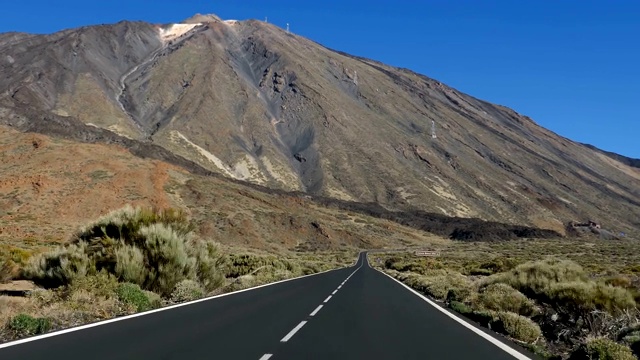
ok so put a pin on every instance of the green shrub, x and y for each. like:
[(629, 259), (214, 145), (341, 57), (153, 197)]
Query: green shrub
[(459, 307), (563, 284), (245, 264), (502, 297), (25, 325), (518, 327), (420, 266), (210, 265), (187, 290), (126, 223), (493, 266), (167, 252), (440, 287), (602, 349), (533, 278), (588, 296), (60, 266), (130, 266), (155, 301), (131, 294), (101, 284)]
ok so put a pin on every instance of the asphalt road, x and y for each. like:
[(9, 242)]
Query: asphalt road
[(352, 313)]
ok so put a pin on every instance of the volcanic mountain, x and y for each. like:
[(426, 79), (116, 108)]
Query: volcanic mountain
[(252, 102)]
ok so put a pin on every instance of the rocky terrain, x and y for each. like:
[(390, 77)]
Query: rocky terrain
[(251, 102)]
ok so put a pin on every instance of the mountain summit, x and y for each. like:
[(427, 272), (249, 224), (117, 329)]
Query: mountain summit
[(255, 103)]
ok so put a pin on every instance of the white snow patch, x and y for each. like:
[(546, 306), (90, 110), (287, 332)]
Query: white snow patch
[(10, 59), (176, 30), (231, 22)]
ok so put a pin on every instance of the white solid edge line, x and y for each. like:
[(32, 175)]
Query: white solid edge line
[(266, 357), (327, 299), (127, 317), (316, 310), (509, 350), (293, 332)]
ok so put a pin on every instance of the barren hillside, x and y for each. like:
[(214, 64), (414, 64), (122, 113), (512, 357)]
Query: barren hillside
[(251, 102)]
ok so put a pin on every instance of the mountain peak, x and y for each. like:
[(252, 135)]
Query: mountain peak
[(202, 18)]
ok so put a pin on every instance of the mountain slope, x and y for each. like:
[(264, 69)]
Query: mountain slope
[(254, 103)]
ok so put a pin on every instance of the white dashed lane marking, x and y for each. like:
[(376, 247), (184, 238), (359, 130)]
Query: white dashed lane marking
[(293, 332), (313, 313), (316, 310)]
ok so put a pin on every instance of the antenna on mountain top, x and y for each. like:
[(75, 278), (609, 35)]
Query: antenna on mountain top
[(287, 28), (433, 129), (266, 19)]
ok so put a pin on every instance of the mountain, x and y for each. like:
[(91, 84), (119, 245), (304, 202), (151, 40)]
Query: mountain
[(621, 158), (251, 102)]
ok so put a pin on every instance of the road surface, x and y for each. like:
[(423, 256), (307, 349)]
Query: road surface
[(351, 313)]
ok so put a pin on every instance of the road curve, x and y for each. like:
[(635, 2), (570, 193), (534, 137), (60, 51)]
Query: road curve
[(351, 313)]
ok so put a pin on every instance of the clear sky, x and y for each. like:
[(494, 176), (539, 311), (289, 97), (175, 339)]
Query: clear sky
[(572, 66)]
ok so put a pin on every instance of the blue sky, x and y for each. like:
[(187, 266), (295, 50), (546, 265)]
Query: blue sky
[(572, 66)]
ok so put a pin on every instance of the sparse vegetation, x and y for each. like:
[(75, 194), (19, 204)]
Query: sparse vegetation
[(558, 307), (131, 294), (25, 325), (602, 349), (187, 290), (137, 259)]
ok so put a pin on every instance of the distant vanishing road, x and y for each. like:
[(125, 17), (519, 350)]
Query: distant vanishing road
[(351, 313)]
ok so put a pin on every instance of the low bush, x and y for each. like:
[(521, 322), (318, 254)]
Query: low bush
[(155, 301), (60, 266), (210, 265), (460, 307), (130, 265), (533, 278), (131, 294), (602, 349), (588, 296), (565, 286), (493, 266), (154, 249), (25, 325), (518, 327), (502, 297), (187, 290)]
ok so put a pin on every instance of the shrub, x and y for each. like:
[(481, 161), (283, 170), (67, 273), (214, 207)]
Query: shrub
[(130, 265), (151, 248), (493, 266), (420, 266), (209, 265), (155, 301), (459, 307), (440, 287), (602, 349), (102, 284), (502, 297), (534, 278), (518, 327), (187, 290), (588, 296), (125, 224), (166, 251), (131, 294), (25, 325), (60, 266), (8, 269)]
